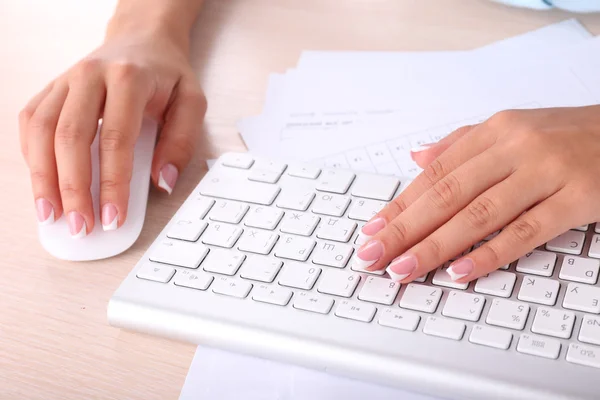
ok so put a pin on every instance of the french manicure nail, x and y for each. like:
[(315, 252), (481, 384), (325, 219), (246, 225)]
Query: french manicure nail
[(368, 254), (369, 230), (167, 177), (110, 218), (77, 225), (423, 147), (460, 269), (45, 211), (402, 267)]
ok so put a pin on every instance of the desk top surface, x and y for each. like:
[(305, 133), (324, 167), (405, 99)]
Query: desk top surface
[(54, 338)]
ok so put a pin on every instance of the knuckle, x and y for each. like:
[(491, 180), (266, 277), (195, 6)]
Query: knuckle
[(114, 140), (481, 212), (435, 171), (397, 206), (505, 118), (445, 193), (39, 124), (526, 229), (25, 115), (183, 146), (434, 247), (68, 135), (69, 190), (126, 72), (86, 67), (40, 177), (398, 231), (113, 182), (490, 254)]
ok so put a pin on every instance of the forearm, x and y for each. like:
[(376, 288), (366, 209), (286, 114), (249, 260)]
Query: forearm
[(173, 18)]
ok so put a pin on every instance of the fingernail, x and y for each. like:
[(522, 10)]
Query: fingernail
[(460, 269), (423, 147), (167, 177), (45, 212), (370, 229), (77, 225), (109, 217), (402, 267), (368, 254)]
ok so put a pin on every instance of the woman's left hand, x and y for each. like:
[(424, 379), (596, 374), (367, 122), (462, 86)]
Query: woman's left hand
[(532, 173)]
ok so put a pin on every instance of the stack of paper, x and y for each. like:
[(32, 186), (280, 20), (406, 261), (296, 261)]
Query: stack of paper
[(365, 110)]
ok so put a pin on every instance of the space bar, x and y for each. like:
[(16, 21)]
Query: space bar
[(240, 190)]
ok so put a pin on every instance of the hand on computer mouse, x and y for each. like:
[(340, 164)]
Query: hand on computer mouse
[(533, 171), (137, 72)]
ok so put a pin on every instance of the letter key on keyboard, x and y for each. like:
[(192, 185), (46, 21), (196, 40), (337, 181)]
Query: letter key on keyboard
[(331, 204), (221, 235), (298, 275), (539, 290), (537, 263), (338, 283), (570, 242), (595, 245), (228, 211), (582, 297), (299, 223), (496, 283), (294, 247), (263, 218), (379, 290), (332, 254), (340, 230), (579, 269), (553, 322), (257, 241)]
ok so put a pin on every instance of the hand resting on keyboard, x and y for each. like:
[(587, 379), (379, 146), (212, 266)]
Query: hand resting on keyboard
[(520, 179)]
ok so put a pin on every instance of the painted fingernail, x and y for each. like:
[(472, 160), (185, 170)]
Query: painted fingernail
[(460, 269), (368, 254), (423, 147), (167, 177), (45, 211), (402, 267), (370, 229), (77, 225), (110, 218)]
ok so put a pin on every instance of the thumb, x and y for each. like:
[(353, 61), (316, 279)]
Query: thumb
[(175, 147), (426, 153)]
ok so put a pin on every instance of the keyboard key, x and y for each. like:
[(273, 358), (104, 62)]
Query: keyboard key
[(272, 294), (180, 254), (193, 279), (223, 262), (304, 171), (539, 290), (579, 269), (229, 211), (537, 263), (590, 329), (443, 327), (263, 218), (379, 290), (421, 298), (335, 181), (239, 190), (570, 242), (584, 355), (313, 302), (357, 268), (597, 227), (491, 337), (340, 230), (198, 207), (364, 210), (538, 346), (338, 283), (508, 314), (463, 306), (259, 268), (294, 247), (231, 287), (582, 297), (299, 275), (332, 254), (496, 283), (553, 322), (355, 310), (187, 229), (441, 278), (331, 204), (257, 241), (376, 187), (237, 160), (221, 235), (298, 223), (595, 245), (155, 272), (582, 228), (399, 319), (294, 199), (267, 171)]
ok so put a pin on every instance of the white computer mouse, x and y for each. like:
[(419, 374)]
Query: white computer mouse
[(98, 244)]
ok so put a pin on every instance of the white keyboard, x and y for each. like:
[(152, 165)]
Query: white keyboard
[(258, 260)]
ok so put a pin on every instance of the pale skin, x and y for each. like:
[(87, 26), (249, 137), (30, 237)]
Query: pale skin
[(528, 170)]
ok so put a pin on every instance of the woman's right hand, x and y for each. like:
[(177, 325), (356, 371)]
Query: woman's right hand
[(132, 75)]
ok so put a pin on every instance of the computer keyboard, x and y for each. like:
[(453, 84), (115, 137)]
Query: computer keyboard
[(259, 260)]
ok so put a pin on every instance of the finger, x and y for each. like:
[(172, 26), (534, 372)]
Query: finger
[(26, 114), (489, 212), (183, 123), (77, 126), (425, 154), (121, 124), (39, 140), (469, 145), (530, 230)]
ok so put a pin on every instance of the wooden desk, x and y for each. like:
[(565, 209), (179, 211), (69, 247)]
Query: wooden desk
[(54, 338)]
